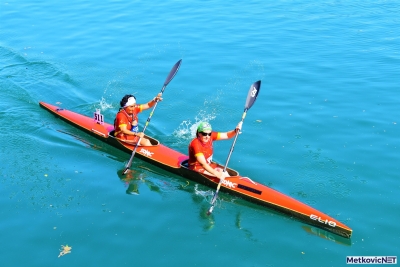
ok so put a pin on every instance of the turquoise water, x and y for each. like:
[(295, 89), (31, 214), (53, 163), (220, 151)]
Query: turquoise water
[(325, 129)]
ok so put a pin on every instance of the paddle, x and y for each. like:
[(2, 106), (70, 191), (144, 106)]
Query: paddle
[(170, 76), (251, 98)]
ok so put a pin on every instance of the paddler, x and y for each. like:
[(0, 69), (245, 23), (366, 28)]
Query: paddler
[(126, 123), (201, 149)]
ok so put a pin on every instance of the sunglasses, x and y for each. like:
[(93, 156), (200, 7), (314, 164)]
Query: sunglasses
[(205, 134)]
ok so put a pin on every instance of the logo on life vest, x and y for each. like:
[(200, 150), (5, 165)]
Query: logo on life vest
[(326, 221), (229, 184), (146, 152), (253, 92)]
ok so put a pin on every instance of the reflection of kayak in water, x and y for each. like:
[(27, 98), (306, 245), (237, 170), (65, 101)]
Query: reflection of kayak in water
[(134, 178), (327, 235), (133, 186), (176, 162), (132, 181)]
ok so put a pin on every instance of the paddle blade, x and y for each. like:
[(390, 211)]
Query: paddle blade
[(173, 72), (210, 210), (252, 95), (125, 171), (171, 75), (214, 199)]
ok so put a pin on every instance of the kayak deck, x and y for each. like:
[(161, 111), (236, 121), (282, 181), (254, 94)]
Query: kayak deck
[(176, 162)]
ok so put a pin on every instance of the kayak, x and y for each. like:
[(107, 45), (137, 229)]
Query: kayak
[(177, 163)]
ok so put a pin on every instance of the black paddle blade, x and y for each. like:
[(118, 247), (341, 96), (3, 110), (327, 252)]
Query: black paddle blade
[(125, 171), (214, 199), (252, 95), (171, 75), (210, 210), (173, 72)]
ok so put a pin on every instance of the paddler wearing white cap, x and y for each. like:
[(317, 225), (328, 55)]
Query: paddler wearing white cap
[(126, 122)]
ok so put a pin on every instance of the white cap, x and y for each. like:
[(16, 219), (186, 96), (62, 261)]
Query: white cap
[(131, 101)]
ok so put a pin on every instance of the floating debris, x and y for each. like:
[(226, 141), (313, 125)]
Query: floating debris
[(183, 186), (65, 250)]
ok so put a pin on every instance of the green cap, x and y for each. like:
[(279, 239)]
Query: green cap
[(204, 127)]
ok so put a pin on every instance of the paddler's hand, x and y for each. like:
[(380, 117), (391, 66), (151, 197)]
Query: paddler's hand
[(239, 127), (220, 174), (155, 100), (158, 98), (141, 135)]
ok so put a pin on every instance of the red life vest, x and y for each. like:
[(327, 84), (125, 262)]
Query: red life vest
[(196, 148), (124, 118)]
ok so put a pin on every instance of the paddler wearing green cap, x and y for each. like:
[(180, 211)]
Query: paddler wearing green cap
[(201, 149)]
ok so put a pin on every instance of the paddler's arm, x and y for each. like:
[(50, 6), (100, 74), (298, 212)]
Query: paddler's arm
[(128, 132), (202, 160), (230, 134), (152, 102)]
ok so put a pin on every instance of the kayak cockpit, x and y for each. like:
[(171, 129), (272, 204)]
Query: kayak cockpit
[(231, 172), (154, 142)]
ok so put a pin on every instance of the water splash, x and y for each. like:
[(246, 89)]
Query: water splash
[(187, 129), (104, 105), (202, 193)]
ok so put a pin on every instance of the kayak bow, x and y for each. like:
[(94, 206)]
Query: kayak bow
[(176, 162)]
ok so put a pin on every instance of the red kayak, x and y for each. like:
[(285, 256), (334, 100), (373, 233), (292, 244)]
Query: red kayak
[(176, 162)]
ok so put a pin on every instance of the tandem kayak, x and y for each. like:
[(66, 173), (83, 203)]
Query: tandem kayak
[(177, 163)]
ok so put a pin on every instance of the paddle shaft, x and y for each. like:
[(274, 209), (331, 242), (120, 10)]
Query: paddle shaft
[(128, 165), (251, 98), (234, 141), (226, 165), (170, 76)]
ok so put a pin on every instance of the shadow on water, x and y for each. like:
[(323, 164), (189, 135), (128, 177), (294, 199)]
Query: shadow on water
[(326, 235), (201, 195), (134, 178)]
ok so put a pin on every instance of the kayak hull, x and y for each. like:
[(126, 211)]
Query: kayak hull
[(176, 162)]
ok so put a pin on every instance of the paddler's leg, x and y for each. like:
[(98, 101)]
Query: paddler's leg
[(213, 165), (134, 139), (206, 172), (145, 142), (219, 169)]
